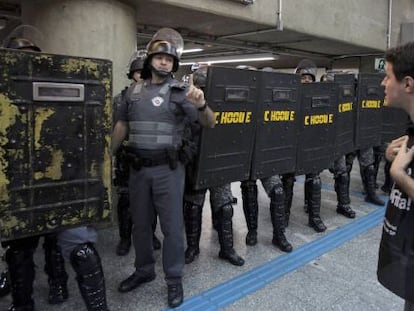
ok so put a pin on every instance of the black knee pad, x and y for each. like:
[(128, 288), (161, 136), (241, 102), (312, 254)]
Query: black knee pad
[(86, 261), (19, 256), (342, 179), (248, 186), (288, 179), (316, 181), (226, 211), (50, 241), (191, 208), (277, 193)]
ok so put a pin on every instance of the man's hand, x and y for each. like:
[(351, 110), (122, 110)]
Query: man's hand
[(399, 167), (195, 95), (401, 161), (394, 147)]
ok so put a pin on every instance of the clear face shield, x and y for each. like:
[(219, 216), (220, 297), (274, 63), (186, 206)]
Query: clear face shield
[(307, 67), (29, 37), (139, 54), (171, 36)]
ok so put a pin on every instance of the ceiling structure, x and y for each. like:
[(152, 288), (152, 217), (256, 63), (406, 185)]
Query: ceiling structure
[(220, 36)]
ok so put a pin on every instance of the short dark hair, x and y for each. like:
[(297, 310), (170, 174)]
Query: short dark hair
[(402, 60)]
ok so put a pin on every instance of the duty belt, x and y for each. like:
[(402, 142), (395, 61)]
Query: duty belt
[(138, 159)]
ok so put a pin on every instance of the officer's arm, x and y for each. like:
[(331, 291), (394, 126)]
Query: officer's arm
[(207, 117), (399, 168), (118, 135)]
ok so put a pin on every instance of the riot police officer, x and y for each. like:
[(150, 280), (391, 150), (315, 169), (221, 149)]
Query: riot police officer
[(368, 172), (366, 164), (274, 190), (74, 244), (122, 174), (153, 114), (341, 177), (19, 254), (342, 180), (307, 70), (221, 199)]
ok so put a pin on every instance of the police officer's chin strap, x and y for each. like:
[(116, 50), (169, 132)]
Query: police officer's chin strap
[(160, 73)]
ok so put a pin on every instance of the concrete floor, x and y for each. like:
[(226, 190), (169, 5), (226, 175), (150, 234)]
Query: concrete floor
[(334, 270)]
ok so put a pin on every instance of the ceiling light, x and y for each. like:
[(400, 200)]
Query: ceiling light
[(231, 59), (192, 50)]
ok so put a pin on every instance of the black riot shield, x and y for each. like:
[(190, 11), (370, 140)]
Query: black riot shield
[(55, 123), (345, 121), (369, 113), (394, 123), (277, 125), (225, 152), (316, 141)]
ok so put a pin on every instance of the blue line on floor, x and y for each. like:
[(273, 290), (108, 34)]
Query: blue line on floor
[(251, 281)]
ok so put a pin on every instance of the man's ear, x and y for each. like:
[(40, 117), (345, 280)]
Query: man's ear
[(409, 84)]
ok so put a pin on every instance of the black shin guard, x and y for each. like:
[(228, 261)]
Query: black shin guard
[(314, 203), (288, 181), (277, 215), (342, 194), (250, 209), (22, 273), (370, 182), (225, 233), (124, 224), (55, 269), (89, 274), (192, 220)]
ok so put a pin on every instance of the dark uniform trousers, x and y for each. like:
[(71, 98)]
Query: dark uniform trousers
[(159, 189)]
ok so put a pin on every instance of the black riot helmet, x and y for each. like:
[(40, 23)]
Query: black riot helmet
[(307, 67), (136, 65), (200, 77), (22, 44), (165, 41)]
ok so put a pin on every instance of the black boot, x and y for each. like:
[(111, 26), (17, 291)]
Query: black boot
[(314, 203), (55, 269), (22, 273), (89, 274), (192, 220), (386, 187), (225, 233), (175, 295), (369, 176), (288, 181), (277, 215), (250, 209), (124, 223), (156, 244), (342, 194)]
